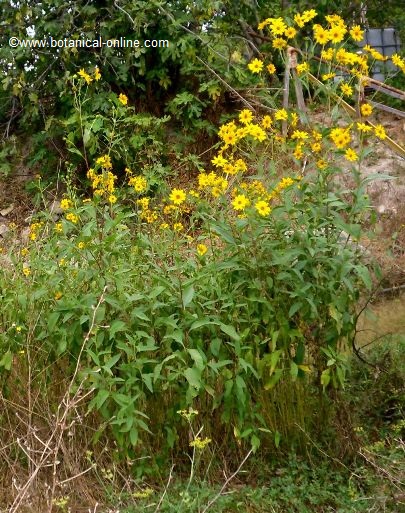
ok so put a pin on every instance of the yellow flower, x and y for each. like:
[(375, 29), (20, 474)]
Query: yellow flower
[(199, 443), (245, 116), (58, 295), (309, 15), (72, 218), (328, 76), (58, 228), (177, 196), (177, 227), (302, 68), (97, 74), (65, 204), (240, 202), (104, 161), (267, 122), (346, 89), (279, 43), (24, 252), (144, 203), (362, 127), (263, 208), (321, 164), (299, 134), (357, 33), (271, 68), (380, 132), (201, 249), (62, 262), (321, 35), (139, 183), (147, 492), (81, 245), (340, 137), (123, 99), (255, 66), (397, 60), (230, 138), (366, 109), (219, 161), (351, 155), (281, 115), (26, 271), (112, 199), (290, 32), (229, 169), (316, 147), (298, 153), (240, 166), (277, 26), (327, 55), (337, 33), (85, 75)]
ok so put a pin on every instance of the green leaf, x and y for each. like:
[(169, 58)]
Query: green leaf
[(325, 378), (188, 295), (202, 322), (7, 360), (133, 436), (293, 370), (277, 439), (275, 378), (297, 305), (198, 359), (53, 318), (116, 326), (255, 443), (193, 376), (230, 331)]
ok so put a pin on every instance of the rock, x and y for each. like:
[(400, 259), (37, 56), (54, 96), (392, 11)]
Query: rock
[(3, 229), (7, 210)]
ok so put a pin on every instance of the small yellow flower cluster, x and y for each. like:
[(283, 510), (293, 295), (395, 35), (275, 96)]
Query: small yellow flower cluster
[(188, 414), (88, 78), (73, 218), (103, 183), (145, 212), (213, 184), (66, 204), (104, 161), (231, 134), (302, 68), (26, 271), (144, 494), (139, 183), (341, 137), (58, 227), (200, 443), (34, 230)]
